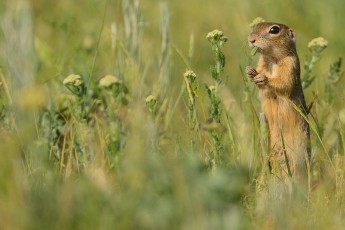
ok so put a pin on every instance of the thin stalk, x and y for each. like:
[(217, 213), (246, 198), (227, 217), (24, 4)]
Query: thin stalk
[(98, 42), (286, 159)]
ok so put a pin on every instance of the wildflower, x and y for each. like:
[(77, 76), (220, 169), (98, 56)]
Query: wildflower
[(217, 40), (151, 104), (150, 99), (75, 84), (317, 45), (115, 88), (108, 81), (73, 79), (191, 85), (256, 21), (189, 74), (212, 88), (216, 36), (190, 78)]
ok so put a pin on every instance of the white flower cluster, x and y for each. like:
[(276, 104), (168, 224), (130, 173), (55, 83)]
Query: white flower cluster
[(73, 79), (150, 98), (319, 43), (108, 80), (212, 88), (216, 36), (256, 21), (190, 74)]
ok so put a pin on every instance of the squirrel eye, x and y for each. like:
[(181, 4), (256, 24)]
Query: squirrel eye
[(274, 30)]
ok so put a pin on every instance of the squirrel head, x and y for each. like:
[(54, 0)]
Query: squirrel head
[(273, 40)]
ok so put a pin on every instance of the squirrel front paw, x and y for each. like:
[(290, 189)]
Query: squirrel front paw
[(259, 79), (251, 72)]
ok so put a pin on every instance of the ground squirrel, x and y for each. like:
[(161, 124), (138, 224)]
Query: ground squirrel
[(277, 76)]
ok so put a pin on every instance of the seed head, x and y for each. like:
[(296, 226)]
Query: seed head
[(189, 74), (216, 36), (108, 81), (75, 84), (256, 21), (151, 104), (212, 88), (317, 45), (74, 80), (150, 99)]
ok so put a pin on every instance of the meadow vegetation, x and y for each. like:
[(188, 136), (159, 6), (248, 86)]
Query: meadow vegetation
[(128, 114)]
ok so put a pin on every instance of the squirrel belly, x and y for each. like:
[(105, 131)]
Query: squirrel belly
[(288, 134)]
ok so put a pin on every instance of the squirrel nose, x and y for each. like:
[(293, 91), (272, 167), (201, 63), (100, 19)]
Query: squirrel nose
[(251, 40)]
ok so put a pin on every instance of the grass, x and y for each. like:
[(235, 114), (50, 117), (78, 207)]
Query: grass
[(122, 114)]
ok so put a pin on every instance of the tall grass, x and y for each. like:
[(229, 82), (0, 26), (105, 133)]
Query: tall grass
[(122, 114)]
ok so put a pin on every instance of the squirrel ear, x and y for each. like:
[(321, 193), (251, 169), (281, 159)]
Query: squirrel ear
[(292, 35)]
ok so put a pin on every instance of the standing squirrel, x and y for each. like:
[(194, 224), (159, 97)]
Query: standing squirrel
[(277, 76)]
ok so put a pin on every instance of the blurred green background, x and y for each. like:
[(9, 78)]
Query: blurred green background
[(309, 19), (103, 160)]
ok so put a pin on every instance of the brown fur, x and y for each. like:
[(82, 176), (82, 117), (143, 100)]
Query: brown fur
[(278, 77)]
